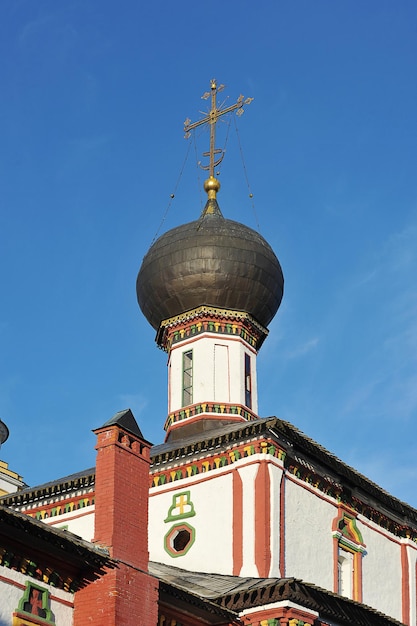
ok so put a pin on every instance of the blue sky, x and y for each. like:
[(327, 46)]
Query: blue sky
[(93, 98)]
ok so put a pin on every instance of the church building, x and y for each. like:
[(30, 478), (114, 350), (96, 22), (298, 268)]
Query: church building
[(235, 519)]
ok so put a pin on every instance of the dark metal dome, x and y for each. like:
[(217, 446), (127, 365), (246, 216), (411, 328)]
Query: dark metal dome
[(212, 261)]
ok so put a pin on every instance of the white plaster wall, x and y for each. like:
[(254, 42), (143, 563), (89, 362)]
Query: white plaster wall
[(5, 486), (412, 561), (275, 477), (254, 377), (10, 594), (204, 376), (381, 572), (8, 484), (248, 475), (308, 536), (80, 522), (213, 523), (221, 373)]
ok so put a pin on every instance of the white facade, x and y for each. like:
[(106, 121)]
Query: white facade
[(410, 566), (81, 524), (254, 517), (276, 474), (218, 372), (382, 572), (247, 474), (302, 542), (308, 536), (212, 521)]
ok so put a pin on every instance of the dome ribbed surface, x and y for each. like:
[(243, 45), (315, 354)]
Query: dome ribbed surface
[(212, 261)]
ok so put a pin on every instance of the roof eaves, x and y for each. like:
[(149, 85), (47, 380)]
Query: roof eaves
[(328, 604), (24, 539), (193, 599), (303, 443), (72, 482)]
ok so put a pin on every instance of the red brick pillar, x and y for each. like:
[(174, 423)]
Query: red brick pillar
[(126, 595)]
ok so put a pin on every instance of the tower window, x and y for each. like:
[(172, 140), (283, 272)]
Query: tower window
[(248, 382), (345, 573), (187, 378)]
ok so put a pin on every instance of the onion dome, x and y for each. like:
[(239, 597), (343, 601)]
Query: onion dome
[(4, 432), (212, 261)]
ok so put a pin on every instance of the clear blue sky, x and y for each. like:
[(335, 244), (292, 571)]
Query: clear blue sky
[(93, 98)]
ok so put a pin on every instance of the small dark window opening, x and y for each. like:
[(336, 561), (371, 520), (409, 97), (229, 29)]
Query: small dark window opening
[(181, 541), (187, 378), (248, 382)]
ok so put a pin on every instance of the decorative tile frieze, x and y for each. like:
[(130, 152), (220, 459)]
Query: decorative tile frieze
[(223, 408), (328, 487), (207, 319), (64, 506), (216, 461), (376, 516), (336, 491)]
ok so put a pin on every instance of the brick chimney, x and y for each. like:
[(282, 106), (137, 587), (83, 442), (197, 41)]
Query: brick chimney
[(126, 595)]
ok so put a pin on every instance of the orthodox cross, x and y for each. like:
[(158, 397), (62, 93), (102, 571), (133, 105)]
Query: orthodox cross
[(211, 118)]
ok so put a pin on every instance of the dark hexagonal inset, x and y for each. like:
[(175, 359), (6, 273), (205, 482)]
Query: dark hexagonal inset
[(179, 539)]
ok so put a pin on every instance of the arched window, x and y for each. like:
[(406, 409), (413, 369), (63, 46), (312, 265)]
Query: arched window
[(349, 550), (345, 573)]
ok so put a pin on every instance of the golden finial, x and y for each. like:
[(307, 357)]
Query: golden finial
[(216, 155)]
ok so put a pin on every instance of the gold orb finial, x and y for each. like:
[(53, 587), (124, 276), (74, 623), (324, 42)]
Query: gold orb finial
[(211, 187)]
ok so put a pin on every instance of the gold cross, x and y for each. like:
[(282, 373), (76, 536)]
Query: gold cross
[(181, 502), (211, 118)]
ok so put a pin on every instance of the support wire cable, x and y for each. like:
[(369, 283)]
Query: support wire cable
[(172, 196), (197, 164), (246, 177), (226, 139)]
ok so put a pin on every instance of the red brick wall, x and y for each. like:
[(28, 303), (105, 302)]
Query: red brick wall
[(122, 597), (127, 595), (122, 492)]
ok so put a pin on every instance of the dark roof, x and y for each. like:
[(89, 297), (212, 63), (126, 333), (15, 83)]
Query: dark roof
[(64, 558), (210, 586), (79, 480), (296, 444), (297, 441), (126, 420), (293, 440), (194, 443), (239, 593), (179, 592)]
